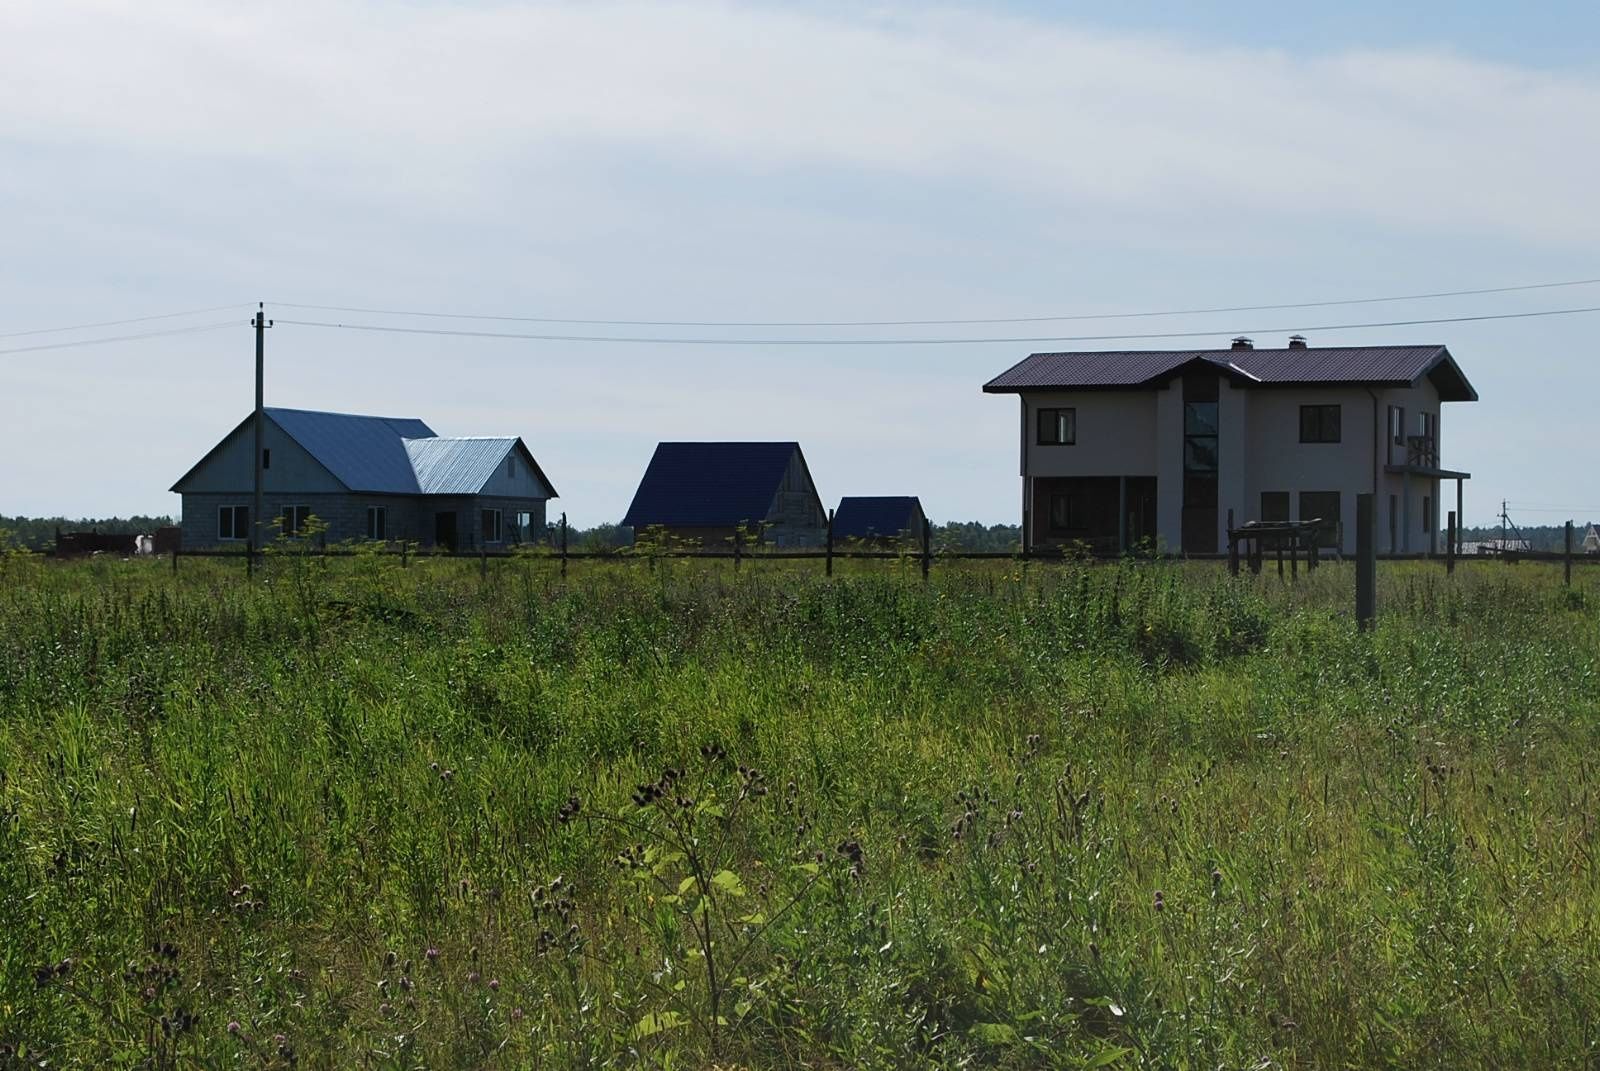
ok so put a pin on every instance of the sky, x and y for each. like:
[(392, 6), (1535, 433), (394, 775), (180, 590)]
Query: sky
[(708, 161)]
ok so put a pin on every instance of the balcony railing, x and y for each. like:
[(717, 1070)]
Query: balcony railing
[(1422, 451)]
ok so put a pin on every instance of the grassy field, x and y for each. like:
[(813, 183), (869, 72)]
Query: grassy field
[(659, 814)]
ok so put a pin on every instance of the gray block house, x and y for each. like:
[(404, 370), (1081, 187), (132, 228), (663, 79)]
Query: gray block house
[(367, 478)]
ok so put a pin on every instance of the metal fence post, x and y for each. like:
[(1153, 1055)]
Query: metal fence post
[(1233, 548), (174, 561), (927, 546), (1450, 545), (738, 548), (1366, 562), (483, 563), (563, 546)]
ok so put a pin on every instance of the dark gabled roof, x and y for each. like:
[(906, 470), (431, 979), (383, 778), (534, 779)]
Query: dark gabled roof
[(1390, 366), (710, 485), (862, 517)]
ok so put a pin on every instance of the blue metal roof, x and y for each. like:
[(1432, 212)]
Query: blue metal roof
[(456, 466), (365, 453), (710, 485), (862, 517)]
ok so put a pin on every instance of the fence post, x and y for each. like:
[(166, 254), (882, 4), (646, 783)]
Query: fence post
[(483, 562), (1450, 546), (249, 562), (830, 543), (927, 546), (1566, 557), (563, 546), (174, 561), (405, 554), (1366, 562), (1294, 558), (738, 548), (1233, 548)]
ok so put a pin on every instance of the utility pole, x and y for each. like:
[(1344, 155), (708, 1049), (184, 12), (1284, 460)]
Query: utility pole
[(257, 521)]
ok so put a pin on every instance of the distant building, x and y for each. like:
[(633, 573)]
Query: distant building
[(878, 519), (705, 493), (1124, 447), (1591, 540), (366, 477), (1508, 545)]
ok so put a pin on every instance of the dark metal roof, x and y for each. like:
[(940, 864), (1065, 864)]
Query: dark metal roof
[(861, 517), (364, 453), (1366, 365), (710, 485)]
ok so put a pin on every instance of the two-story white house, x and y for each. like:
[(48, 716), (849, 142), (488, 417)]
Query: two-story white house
[(1155, 448)]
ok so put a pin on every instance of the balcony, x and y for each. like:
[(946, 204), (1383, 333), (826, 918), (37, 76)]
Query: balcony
[(1422, 451)]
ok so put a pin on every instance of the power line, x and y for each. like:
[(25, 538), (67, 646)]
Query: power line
[(119, 323), (938, 323), (921, 341), (120, 338)]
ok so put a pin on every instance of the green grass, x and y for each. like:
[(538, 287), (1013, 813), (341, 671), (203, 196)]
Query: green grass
[(1101, 816)]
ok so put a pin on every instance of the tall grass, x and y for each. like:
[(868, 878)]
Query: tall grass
[(350, 814)]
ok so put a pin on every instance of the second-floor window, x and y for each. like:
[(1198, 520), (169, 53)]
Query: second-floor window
[(1319, 423), (1058, 427)]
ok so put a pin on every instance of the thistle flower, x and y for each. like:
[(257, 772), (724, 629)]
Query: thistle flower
[(432, 954), (1161, 904)]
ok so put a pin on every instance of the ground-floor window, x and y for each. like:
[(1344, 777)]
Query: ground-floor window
[(1275, 505), (377, 522), (1322, 506), (1068, 511), (294, 519), (491, 526), (523, 532), (233, 522)]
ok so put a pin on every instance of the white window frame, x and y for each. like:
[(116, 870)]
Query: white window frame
[(232, 513), (380, 531), (499, 525), (522, 526)]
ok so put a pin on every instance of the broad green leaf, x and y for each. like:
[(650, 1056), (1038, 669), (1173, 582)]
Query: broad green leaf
[(1107, 1057), (656, 1022), (728, 882)]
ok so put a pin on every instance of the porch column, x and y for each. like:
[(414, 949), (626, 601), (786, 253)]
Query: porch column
[(1122, 514), (1461, 518), (1405, 513)]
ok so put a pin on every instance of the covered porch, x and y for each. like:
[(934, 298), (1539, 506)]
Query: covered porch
[(1105, 515)]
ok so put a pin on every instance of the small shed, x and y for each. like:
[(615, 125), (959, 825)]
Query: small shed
[(878, 519), (707, 493)]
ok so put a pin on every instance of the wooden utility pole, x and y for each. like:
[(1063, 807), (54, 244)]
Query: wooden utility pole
[(1366, 562), (257, 521)]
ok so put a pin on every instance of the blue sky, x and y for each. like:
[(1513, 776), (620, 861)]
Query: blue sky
[(712, 161)]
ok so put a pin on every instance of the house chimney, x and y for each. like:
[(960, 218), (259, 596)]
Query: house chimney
[(1297, 342), (1242, 343)]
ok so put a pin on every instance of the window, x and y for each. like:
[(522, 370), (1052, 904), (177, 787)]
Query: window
[(1058, 427), (1319, 423), (491, 526), (294, 519), (1322, 506), (233, 522), (1397, 424), (524, 528), (266, 458), (1068, 511), (377, 522), (1274, 505)]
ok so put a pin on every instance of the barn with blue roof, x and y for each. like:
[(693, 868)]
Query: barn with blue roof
[(878, 519), (366, 478), (706, 493)]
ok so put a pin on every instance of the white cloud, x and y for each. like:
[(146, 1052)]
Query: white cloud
[(439, 95)]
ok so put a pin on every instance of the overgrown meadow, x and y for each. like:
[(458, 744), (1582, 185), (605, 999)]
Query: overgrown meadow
[(344, 814)]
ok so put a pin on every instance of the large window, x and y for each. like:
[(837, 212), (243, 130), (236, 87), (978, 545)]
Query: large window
[(1275, 505), (294, 519), (1322, 506), (1058, 427), (523, 531), (1319, 423), (377, 522), (1397, 424), (491, 526), (1069, 511), (233, 522)]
